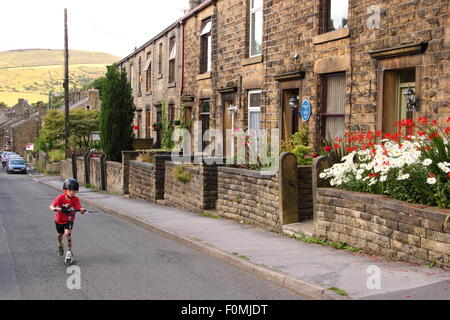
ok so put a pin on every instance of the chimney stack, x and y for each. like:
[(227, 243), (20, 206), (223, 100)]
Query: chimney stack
[(194, 3), (42, 110)]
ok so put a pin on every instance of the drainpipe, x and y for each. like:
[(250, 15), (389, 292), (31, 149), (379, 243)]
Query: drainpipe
[(182, 57)]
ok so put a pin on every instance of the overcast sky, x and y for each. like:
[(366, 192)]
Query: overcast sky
[(110, 26)]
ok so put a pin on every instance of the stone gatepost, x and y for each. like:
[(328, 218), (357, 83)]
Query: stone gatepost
[(319, 165), (288, 188), (74, 166), (87, 168), (103, 172), (126, 157)]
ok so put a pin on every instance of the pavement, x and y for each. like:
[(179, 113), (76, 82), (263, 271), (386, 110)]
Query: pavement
[(309, 270)]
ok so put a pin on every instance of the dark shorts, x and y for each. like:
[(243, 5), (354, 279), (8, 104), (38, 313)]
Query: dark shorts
[(61, 227)]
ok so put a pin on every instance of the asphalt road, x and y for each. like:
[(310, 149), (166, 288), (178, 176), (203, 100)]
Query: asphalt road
[(115, 259)]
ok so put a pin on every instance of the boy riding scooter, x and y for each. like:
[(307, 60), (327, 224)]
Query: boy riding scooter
[(66, 206)]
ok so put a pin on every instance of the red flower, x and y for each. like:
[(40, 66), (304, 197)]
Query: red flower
[(447, 130), (431, 175), (448, 174), (336, 146), (327, 148)]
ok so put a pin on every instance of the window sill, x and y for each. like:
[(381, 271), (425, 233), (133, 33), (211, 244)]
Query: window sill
[(332, 36), (252, 60), (160, 76), (172, 85), (203, 76)]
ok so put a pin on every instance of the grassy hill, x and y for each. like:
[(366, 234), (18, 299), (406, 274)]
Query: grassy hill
[(31, 74)]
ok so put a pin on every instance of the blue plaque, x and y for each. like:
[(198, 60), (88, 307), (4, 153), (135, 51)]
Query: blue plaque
[(305, 110)]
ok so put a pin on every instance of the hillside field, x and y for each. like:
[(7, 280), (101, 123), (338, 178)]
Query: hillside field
[(32, 74)]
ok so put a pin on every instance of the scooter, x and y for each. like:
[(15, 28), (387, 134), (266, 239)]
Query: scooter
[(68, 260)]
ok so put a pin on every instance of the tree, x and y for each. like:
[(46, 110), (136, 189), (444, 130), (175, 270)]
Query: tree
[(51, 135), (82, 124), (117, 114)]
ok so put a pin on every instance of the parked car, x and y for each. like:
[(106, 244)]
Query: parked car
[(16, 165)]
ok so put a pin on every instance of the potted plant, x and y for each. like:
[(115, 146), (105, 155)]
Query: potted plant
[(157, 126)]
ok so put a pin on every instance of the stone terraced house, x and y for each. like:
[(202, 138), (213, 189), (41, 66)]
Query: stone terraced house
[(358, 65)]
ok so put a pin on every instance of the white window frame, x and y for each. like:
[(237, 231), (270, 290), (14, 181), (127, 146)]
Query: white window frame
[(255, 109), (172, 57), (254, 10), (132, 76), (206, 33)]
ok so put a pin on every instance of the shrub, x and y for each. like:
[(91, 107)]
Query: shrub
[(56, 155), (412, 168), (182, 175), (299, 146)]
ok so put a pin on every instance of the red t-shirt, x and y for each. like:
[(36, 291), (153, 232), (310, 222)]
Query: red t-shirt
[(60, 201)]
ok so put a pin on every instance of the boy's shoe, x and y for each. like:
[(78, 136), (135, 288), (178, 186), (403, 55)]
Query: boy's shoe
[(61, 250)]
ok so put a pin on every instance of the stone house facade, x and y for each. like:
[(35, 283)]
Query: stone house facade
[(251, 64), (10, 116), (356, 71), (154, 71)]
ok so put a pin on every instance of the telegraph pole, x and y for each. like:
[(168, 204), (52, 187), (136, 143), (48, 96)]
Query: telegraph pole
[(66, 84)]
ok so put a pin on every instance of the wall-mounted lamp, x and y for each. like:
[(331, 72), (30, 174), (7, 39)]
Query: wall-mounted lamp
[(232, 109), (411, 102), (293, 103)]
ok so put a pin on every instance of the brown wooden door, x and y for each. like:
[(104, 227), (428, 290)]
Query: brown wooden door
[(227, 125), (289, 117)]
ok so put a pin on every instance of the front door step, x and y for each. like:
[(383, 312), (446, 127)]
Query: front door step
[(305, 228)]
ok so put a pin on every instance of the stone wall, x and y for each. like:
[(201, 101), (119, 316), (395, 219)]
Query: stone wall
[(114, 180), (142, 181), (383, 226), (139, 144), (147, 179), (305, 196), (247, 195), (199, 194)]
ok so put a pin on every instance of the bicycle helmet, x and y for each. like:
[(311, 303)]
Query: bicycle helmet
[(71, 184)]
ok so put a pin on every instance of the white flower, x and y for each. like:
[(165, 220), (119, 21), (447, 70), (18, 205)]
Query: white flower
[(431, 180), (383, 178), (427, 162), (444, 166)]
